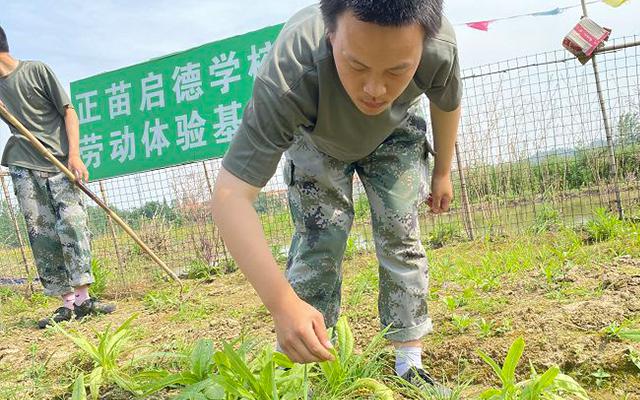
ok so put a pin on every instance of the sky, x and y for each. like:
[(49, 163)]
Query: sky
[(80, 39)]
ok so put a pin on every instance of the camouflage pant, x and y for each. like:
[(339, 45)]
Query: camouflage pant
[(57, 225), (320, 199)]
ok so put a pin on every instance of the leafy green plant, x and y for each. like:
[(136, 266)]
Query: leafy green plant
[(505, 327), (552, 270), (454, 302), (546, 219), (105, 356), (550, 385), (101, 275), (361, 207), (270, 376), (351, 249), (612, 330), (617, 331), (485, 327), (629, 334), (229, 374), (603, 226), (199, 269), (461, 322), (160, 300), (364, 283), (451, 302), (280, 253), (349, 372), (601, 377), (634, 357), (79, 391), (200, 367), (443, 234)]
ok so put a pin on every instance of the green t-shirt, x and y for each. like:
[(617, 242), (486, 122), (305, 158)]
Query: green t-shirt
[(298, 91), (34, 96)]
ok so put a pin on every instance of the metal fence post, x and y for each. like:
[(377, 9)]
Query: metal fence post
[(114, 237), (218, 240), (607, 128), (466, 209)]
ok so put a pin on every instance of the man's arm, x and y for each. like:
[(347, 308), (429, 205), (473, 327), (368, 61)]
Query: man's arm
[(299, 327), (74, 162), (445, 131)]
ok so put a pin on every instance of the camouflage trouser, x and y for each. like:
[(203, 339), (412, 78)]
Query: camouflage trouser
[(320, 197), (57, 224)]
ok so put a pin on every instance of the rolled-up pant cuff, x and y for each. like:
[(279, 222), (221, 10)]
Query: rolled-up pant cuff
[(57, 291), (410, 333), (82, 279)]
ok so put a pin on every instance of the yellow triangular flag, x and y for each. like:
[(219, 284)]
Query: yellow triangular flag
[(614, 3)]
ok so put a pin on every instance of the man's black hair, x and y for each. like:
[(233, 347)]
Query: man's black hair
[(426, 13), (4, 45)]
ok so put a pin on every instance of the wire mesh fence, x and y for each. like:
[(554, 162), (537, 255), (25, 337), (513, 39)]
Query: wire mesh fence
[(532, 149)]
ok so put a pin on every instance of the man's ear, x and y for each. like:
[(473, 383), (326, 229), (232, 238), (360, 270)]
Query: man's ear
[(331, 36)]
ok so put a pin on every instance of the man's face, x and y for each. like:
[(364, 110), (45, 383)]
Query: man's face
[(375, 63)]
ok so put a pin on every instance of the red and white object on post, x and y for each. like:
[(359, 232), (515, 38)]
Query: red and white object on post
[(585, 38)]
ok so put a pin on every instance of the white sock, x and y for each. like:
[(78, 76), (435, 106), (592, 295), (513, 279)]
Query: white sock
[(408, 357)]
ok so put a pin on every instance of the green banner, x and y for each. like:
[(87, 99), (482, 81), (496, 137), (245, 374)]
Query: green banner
[(171, 110)]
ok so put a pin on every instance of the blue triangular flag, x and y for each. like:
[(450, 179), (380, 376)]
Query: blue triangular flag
[(555, 11)]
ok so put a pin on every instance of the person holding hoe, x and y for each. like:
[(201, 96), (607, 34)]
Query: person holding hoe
[(51, 203)]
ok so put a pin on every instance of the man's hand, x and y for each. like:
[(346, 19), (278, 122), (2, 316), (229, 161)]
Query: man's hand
[(441, 193), (301, 332), (78, 169)]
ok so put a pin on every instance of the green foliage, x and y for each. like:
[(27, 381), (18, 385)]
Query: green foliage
[(79, 390), (612, 330), (550, 385), (199, 269), (105, 356), (552, 173), (601, 377), (101, 275), (270, 376), (160, 300), (349, 372), (199, 369), (603, 226), (352, 247), (364, 283), (634, 357), (270, 202), (230, 374), (156, 209), (444, 233), (546, 219), (279, 253), (361, 207), (486, 327), (461, 322), (629, 128), (8, 236), (629, 334)]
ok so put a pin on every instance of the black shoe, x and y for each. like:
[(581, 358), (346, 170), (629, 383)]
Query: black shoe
[(419, 378), (92, 306), (61, 314)]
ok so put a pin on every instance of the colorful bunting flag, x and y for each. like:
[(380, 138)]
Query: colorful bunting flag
[(555, 11), (479, 25), (484, 25), (614, 3)]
